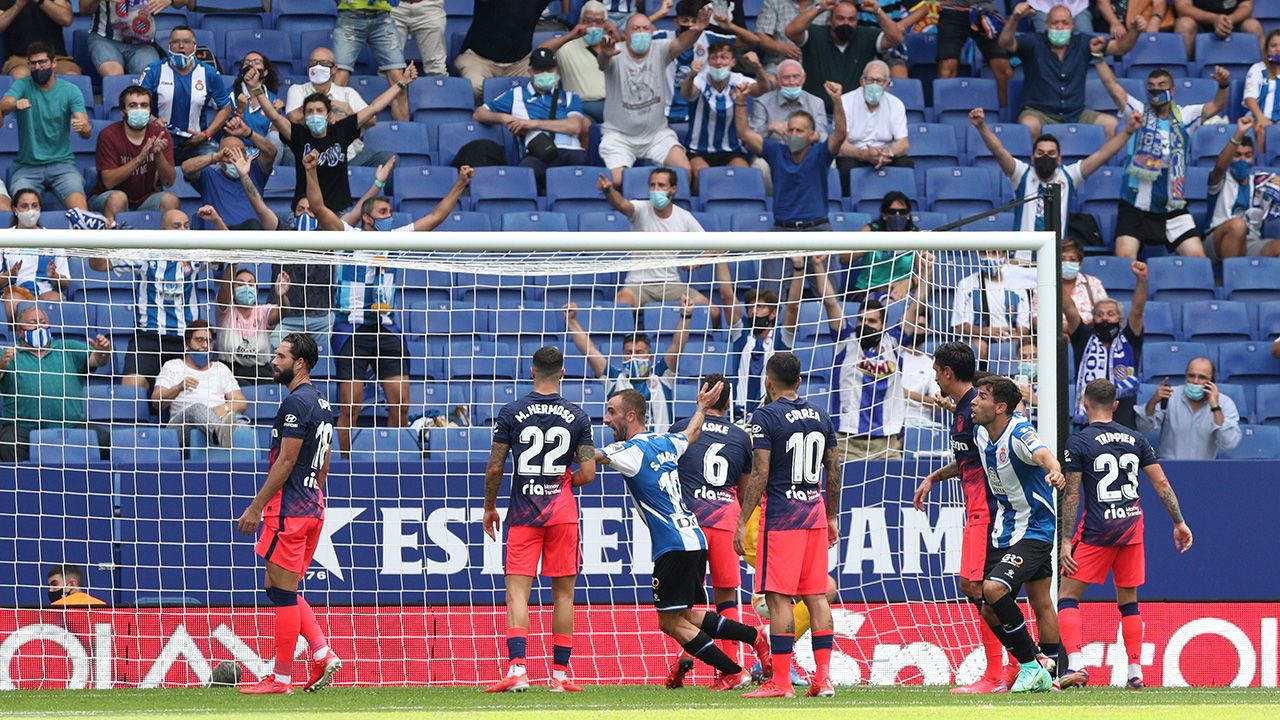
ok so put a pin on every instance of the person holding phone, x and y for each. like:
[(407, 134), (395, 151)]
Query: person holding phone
[(1195, 420)]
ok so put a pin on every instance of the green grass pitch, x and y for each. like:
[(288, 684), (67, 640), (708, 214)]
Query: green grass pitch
[(650, 703)]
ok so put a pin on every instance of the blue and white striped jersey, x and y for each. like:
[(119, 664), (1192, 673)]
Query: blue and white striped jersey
[(1153, 195), (362, 287), (1024, 500), (165, 293), (649, 462), (656, 382), (711, 128), (1026, 184), (867, 383)]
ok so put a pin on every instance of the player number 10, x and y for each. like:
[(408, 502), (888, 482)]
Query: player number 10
[(806, 451)]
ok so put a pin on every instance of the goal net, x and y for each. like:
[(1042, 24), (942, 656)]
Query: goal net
[(130, 448)]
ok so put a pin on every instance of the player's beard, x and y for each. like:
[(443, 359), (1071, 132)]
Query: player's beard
[(283, 377)]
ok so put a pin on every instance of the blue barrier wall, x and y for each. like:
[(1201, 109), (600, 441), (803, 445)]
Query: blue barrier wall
[(409, 533)]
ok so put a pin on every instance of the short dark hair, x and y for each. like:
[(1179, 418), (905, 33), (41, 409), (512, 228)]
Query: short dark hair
[(320, 98), (133, 90), (719, 45), (672, 177), (366, 208), (632, 400), (39, 48), (1247, 141), (755, 296), (1100, 393), (959, 357), (548, 361), (813, 124), (637, 338), (67, 571), (689, 8), (1159, 73), (894, 196), (710, 381), (1049, 138), (193, 327), (303, 346), (187, 28), (784, 368), (981, 375), (1003, 390), (874, 303)]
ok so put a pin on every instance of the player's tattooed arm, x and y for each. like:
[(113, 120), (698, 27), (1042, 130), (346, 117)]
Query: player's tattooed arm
[(1181, 533), (1068, 507), (835, 480), (492, 481), (749, 496), (586, 459)]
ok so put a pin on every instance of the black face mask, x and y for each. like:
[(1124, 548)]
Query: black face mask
[(1045, 166), (844, 33), (762, 322), (868, 338), (896, 223), (1106, 331), (41, 76), (56, 595)]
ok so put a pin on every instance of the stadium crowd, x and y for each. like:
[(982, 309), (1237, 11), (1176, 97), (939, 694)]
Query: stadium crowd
[(788, 115)]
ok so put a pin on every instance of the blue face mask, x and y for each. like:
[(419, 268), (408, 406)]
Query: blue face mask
[(718, 74), (1240, 170), (992, 266), (1160, 98), (1070, 269), (790, 93), (873, 93), (180, 61), (317, 123), (305, 222), (640, 42), (385, 224), (1193, 392), (659, 199), (594, 36), (231, 171), (137, 119), (1029, 369), (545, 81), (246, 295), (199, 359), (37, 338), (638, 367)]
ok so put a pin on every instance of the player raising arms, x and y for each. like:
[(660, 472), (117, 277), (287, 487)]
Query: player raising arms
[(1020, 472), (792, 442), (710, 471), (1106, 456), (649, 462), (291, 502), (954, 365), (540, 429)]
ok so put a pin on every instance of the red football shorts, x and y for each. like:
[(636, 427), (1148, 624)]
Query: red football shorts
[(289, 541), (556, 545), (792, 562), (726, 568), (1127, 562), (973, 551)]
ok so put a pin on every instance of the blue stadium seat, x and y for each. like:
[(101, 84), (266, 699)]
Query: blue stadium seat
[(1180, 279), (489, 399), (278, 45), (848, 221), (817, 361), (58, 447), (710, 222), (1157, 50), (1159, 324), (1209, 141), (1216, 321), (603, 222), (498, 190), (1267, 405), (1268, 320), (1241, 396), (264, 401), (304, 8), (662, 320), (946, 188), (868, 186), (925, 220), (1257, 442), (1169, 360), (141, 446), (300, 26), (481, 358), (67, 318), (1000, 222), (1251, 279), (729, 190), (1236, 52), (116, 403), (953, 98), (572, 190), (1101, 194), (933, 146), (1247, 363), (1076, 140), (751, 222), (911, 92), (495, 86), (537, 221), (466, 222), (379, 444), (436, 100), (926, 442), (111, 88), (369, 87), (410, 141), (1015, 137), (453, 135), (1196, 91), (469, 444), (607, 319), (141, 219), (420, 188), (532, 319), (1097, 98)]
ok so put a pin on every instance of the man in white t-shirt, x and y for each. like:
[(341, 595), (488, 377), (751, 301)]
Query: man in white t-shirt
[(657, 214), (990, 307), (876, 123), (635, 123), (346, 101), (200, 393)]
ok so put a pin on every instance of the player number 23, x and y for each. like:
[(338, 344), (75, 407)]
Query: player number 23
[(806, 451), (1113, 466)]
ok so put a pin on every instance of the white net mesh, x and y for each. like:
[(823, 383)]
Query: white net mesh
[(133, 454)]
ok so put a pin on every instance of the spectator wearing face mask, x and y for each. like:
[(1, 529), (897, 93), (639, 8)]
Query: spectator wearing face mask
[(1238, 206), (1109, 348), (134, 159), (244, 324), (638, 369), (577, 54), (184, 88), (711, 139), (1195, 421), (67, 586), (838, 52), (200, 392), (343, 101), (756, 331), (989, 306), (921, 396), (877, 133), (885, 272), (24, 275), (217, 177), (1029, 179), (1085, 290), (770, 111), (1262, 88), (1025, 379)]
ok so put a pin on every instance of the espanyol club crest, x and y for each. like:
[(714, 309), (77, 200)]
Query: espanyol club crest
[(142, 24), (198, 86), (1002, 456), (122, 8)]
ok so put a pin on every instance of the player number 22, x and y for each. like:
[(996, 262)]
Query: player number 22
[(534, 437), (1112, 466), (806, 451)]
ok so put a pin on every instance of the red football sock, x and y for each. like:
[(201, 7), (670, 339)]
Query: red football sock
[(310, 628), (822, 641), (1131, 628), (287, 622), (1070, 626), (730, 611), (993, 649)]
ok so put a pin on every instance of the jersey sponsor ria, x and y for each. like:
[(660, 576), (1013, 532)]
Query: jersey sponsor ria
[(797, 436), (710, 470), (978, 503), (1024, 501), (307, 416), (649, 463), (544, 432), (1108, 456)]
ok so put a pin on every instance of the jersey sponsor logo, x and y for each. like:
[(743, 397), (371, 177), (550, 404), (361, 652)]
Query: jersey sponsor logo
[(1122, 513), (878, 369)]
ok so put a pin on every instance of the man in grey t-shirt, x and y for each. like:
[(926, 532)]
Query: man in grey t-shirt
[(635, 82)]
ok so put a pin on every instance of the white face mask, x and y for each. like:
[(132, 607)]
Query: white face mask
[(28, 218), (319, 74)]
